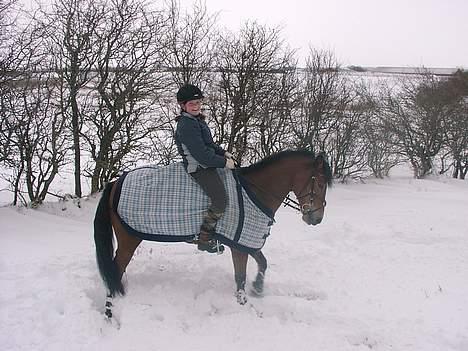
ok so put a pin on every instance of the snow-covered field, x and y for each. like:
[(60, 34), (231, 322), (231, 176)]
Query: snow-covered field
[(386, 270)]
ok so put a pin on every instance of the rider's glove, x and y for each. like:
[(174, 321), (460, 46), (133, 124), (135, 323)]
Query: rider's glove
[(230, 163)]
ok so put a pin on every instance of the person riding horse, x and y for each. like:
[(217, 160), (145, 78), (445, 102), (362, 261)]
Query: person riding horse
[(139, 206), (201, 156)]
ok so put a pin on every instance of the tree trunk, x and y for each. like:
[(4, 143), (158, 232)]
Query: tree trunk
[(76, 148), (95, 178), (457, 169), (463, 172), (426, 166)]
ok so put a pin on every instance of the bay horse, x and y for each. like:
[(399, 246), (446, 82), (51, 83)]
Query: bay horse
[(302, 172)]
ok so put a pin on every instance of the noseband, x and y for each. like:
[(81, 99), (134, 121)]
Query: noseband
[(305, 208)]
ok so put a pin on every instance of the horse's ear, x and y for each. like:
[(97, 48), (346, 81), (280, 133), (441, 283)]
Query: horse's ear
[(320, 159)]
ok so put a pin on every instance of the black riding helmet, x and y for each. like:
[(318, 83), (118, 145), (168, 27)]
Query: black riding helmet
[(189, 92)]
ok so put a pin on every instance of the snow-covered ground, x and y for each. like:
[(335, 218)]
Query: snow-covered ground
[(386, 270)]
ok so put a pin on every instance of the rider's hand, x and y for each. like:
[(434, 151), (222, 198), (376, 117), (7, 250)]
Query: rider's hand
[(230, 163), (227, 154)]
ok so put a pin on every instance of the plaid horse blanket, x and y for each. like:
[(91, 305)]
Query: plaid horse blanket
[(165, 204)]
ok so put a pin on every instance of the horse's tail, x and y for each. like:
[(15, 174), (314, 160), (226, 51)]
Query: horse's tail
[(103, 239)]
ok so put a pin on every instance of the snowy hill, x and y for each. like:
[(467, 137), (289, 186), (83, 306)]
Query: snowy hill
[(386, 270)]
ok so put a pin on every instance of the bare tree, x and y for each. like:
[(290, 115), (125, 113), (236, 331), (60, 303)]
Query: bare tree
[(271, 129), (8, 32), (323, 93), (191, 40), (381, 153), (31, 130), (69, 34), (330, 115), (248, 61), (346, 143), (130, 46), (456, 139), (188, 53), (413, 116), (39, 145), (6, 21), (163, 149), (7, 27), (456, 122), (8, 66)]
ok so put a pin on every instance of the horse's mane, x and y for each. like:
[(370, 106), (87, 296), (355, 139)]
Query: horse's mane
[(286, 154), (327, 169)]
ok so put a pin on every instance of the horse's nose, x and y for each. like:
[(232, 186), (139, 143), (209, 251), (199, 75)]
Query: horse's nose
[(318, 220), (311, 219)]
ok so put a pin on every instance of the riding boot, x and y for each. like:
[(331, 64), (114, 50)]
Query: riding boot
[(205, 239)]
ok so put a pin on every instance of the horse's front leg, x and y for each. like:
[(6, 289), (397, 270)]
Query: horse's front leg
[(240, 268), (257, 285)]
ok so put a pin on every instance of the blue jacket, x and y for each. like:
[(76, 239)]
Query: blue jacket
[(195, 144)]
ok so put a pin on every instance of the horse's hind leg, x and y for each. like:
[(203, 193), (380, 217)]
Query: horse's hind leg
[(257, 285), (126, 246)]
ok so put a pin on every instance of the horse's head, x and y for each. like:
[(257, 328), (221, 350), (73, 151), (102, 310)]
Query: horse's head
[(310, 188)]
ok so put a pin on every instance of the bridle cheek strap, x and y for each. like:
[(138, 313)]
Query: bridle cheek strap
[(305, 208)]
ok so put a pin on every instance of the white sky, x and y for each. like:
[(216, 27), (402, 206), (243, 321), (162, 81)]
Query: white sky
[(431, 33)]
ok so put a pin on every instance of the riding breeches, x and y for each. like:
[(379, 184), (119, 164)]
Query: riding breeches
[(211, 183)]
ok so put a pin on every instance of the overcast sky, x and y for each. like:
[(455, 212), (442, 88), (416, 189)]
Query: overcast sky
[(430, 33)]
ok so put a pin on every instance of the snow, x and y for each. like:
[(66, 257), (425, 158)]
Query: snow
[(385, 270)]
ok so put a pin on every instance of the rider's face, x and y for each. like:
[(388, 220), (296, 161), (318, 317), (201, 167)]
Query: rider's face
[(193, 107)]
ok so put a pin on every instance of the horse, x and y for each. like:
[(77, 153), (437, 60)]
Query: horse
[(271, 180)]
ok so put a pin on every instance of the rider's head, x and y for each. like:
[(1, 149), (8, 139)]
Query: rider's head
[(190, 98), (189, 92)]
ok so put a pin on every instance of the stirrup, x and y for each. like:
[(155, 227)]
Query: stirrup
[(211, 246)]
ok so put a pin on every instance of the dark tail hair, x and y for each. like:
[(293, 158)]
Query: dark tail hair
[(103, 239)]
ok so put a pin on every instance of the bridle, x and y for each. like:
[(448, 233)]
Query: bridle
[(305, 208)]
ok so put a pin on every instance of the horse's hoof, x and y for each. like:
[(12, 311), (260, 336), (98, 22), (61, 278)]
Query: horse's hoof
[(256, 290), (241, 297), (257, 285), (113, 321)]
